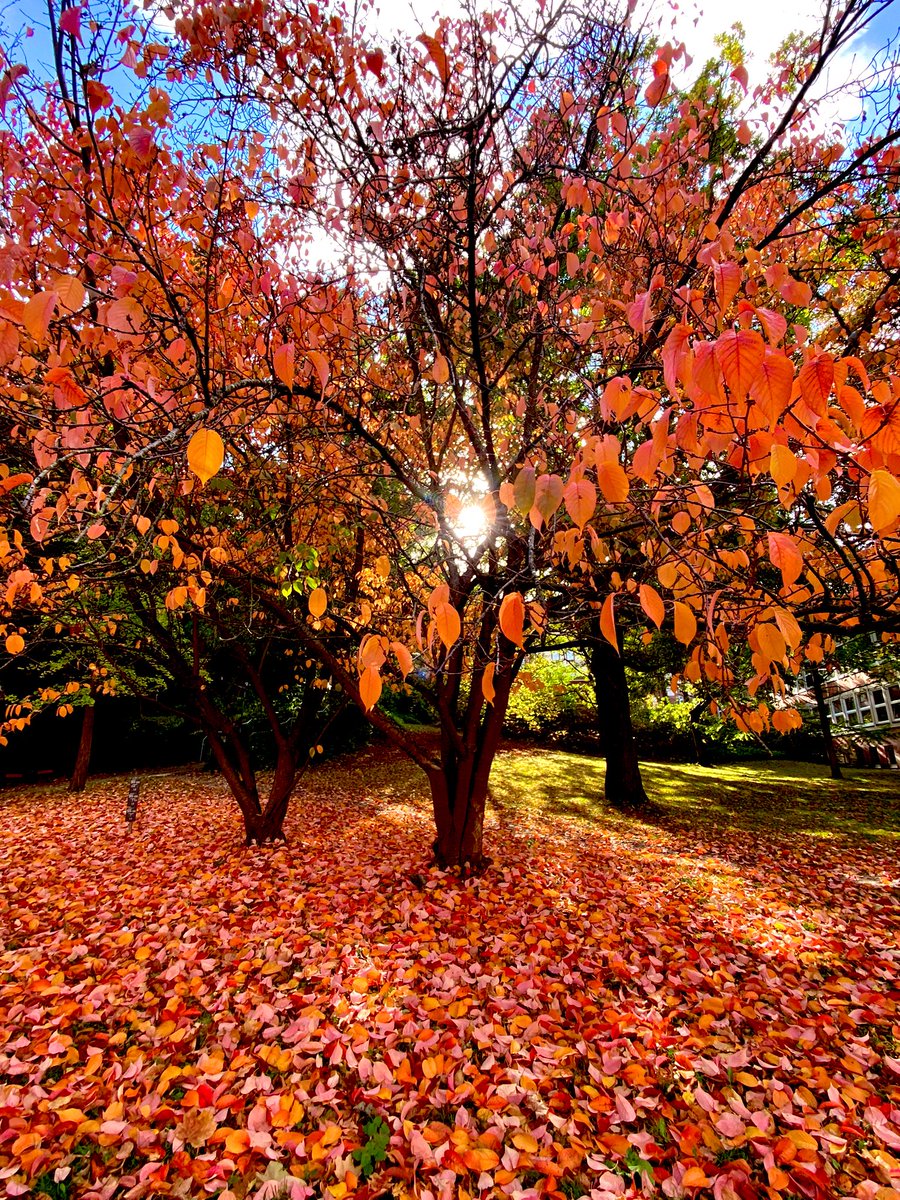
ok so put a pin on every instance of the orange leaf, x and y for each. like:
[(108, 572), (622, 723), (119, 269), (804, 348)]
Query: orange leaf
[(773, 383), (404, 658), (771, 641), (816, 379), (283, 364), (694, 1177), (322, 366), (440, 371), (685, 623), (786, 557), (449, 626), (608, 621), (9, 342), (487, 683), (369, 687), (581, 500), (548, 494), (38, 313), (15, 644), (70, 290), (437, 55), (786, 719), (480, 1158), (512, 617), (727, 279), (613, 481), (796, 292), (740, 355), (652, 604), (237, 1141), (318, 602), (884, 500), (205, 454)]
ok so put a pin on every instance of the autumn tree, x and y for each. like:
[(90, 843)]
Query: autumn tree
[(580, 356)]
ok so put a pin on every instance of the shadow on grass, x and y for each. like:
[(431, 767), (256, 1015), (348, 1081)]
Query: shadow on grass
[(783, 797)]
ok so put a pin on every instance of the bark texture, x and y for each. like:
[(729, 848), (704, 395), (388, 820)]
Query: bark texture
[(623, 787), (79, 775)]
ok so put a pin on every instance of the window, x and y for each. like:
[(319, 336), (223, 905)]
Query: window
[(850, 709), (894, 692), (835, 710), (865, 708), (880, 701)]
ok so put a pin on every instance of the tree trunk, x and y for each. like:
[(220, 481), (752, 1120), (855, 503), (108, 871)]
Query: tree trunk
[(700, 752), (85, 742), (825, 722), (267, 826), (459, 789), (623, 787), (459, 795)]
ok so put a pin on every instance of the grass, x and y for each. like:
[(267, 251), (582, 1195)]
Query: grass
[(785, 797)]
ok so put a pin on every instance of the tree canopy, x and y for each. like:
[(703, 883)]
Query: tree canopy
[(593, 347)]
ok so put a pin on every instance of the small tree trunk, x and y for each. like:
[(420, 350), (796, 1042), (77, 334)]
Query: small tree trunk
[(825, 722), (623, 787), (83, 757), (700, 752)]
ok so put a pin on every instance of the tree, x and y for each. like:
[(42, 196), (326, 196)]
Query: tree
[(563, 370)]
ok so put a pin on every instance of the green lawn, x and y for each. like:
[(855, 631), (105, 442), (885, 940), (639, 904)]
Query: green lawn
[(781, 796)]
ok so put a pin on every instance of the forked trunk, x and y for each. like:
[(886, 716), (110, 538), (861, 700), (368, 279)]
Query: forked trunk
[(459, 789), (459, 795), (623, 787), (85, 743), (268, 825)]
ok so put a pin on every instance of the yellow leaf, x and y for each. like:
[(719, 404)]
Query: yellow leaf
[(685, 623), (512, 617), (283, 364), (608, 622), (369, 687), (771, 642), (884, 500), (524, 1141), (383, 566), (782, 465), (15, 644), (652, 604), (523, 489), (205, 454), (318, 602)]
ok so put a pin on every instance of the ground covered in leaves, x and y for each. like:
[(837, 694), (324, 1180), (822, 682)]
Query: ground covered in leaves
[(705, 1005)]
